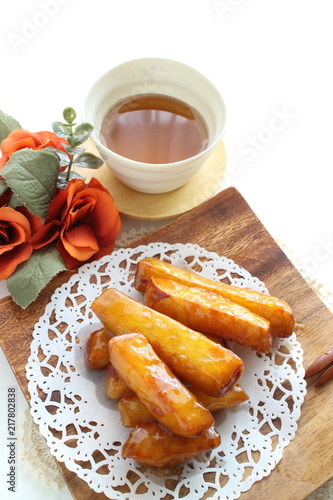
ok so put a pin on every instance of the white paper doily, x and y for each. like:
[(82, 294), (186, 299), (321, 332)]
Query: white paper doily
[(82, 425)]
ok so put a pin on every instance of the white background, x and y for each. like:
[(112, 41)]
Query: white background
[(272, 62)]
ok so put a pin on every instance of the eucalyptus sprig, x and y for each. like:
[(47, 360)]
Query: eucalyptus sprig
[(77, 156)]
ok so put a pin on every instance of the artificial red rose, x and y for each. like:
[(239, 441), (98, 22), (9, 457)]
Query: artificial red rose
[(20, 139), (84, 221), (17, 226)]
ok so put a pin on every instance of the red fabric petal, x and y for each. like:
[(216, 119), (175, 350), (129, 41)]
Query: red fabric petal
[(14, 217), (52, 139), (80, 242), (4, 238), (46, 144), (70, 262), (45, 234), (95, 184), (61, 204), (10, 260), (89, 220), (82, 206), (17, 145), (15, 236), (34, 221), (19, 135), (105, 216)]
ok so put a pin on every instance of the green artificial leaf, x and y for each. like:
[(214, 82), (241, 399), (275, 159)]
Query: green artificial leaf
[(30, 277), (69, 115), (87, 160), (63, 158), (84, 128), (32, 175), (81, 134), (62, 129), (63, 181), (73, 150), (7, 125), (77, 139)]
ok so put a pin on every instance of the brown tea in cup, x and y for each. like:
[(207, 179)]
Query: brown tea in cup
[(154, 128)]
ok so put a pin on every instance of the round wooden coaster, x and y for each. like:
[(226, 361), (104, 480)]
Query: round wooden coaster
[(166, 205)]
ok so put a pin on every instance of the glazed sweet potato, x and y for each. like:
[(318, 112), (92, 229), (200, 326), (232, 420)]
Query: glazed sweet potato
[(234, 397), (97, 350), (153, 446), (166, 398), (193, 357), (276, 311), (209, 313), (114, 386), (133, 412)]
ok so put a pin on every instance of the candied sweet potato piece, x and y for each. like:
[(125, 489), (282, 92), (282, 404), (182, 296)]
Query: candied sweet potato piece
[(133, 412), (153, 446), (115, 387), (276, 311), (234, 397), (97, 350), (159, 390), (193, 357), (209, 313)]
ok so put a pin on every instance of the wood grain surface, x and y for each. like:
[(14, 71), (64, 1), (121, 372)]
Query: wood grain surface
[(227, 225)]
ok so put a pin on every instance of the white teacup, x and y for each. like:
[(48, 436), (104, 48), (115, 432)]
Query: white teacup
[(155, 76)]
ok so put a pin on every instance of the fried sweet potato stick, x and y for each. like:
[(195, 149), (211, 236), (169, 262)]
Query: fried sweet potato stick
[(114, 386), (159, 390), (133, 413), (276, 311), (209, 313), (193, 357), (153, 446), (97, 350), (236, 396)]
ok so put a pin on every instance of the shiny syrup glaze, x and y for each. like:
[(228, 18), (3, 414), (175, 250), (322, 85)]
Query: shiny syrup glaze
[(189, 354), (97, 350), (154, 128)]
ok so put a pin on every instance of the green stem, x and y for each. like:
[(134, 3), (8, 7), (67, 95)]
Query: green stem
[(71, 157)]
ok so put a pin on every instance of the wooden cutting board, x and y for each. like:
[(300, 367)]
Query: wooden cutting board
[(226, 224)]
